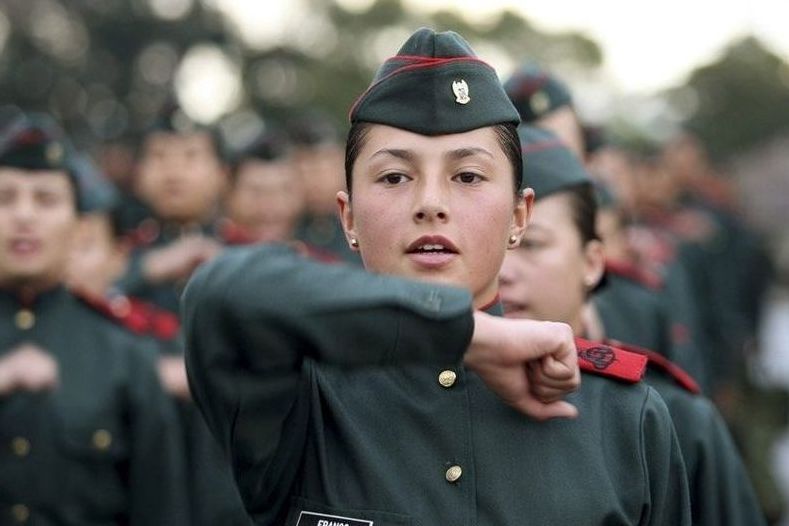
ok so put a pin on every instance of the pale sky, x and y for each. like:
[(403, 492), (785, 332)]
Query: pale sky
[(653, 44)]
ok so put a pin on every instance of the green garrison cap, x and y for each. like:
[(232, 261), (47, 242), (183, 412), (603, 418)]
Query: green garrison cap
[(35, 142), (435, 85), (536, 93), (548, 166), (606, 200)]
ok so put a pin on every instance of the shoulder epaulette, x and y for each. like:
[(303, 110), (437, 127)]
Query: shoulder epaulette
[(634, 273), (137, 316), (605, 360), (664, 365)]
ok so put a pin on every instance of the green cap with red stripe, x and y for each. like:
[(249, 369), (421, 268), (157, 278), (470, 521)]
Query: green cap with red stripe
[(435, 85)]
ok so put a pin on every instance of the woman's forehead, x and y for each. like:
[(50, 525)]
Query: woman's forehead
[(382, 139), (36, 179)]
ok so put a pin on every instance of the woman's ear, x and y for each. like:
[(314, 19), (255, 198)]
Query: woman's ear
[(524, 205), (346, 218), (594, 263)]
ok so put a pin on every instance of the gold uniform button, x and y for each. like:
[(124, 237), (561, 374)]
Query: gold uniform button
[(102, 439), (454, 473), (20, 512), (447, 378), (25, 319), (20, 446)]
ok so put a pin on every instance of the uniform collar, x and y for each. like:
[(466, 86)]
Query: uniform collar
[(494, 308)]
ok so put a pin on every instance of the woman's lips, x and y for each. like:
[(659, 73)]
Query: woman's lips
[(24, 247), (432, 252), (432, 260)]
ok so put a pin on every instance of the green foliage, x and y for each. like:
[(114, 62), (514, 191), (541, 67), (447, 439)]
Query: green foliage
[(111, 83), (742, 99)]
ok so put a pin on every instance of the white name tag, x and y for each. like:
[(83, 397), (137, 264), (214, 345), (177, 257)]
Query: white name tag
[(310, 518)]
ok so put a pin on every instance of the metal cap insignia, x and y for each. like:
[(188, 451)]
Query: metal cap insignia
[(460, 89)]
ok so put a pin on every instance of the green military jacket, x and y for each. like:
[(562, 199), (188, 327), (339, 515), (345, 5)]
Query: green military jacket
[(152, 234), (650, 315), (213, 498), (341, 398), (721, 493), (102, 448), (720, 490)]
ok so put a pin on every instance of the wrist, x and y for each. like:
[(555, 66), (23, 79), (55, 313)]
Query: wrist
[(484, 338)]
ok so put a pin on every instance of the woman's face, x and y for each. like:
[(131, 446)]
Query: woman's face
[(437, 208), (548, 277)]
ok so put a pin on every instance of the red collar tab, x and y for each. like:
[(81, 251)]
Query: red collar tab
[(664, 365), (604, 360), (634, 273), (137, 316)]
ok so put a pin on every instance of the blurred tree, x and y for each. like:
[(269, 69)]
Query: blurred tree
[(104, 68), (738, 101)]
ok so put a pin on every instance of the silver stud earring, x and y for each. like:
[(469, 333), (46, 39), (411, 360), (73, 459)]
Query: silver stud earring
[(354, 242), (513, 239)]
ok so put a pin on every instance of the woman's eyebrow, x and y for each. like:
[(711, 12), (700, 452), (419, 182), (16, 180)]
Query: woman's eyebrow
[(406, 155), (461, 153)]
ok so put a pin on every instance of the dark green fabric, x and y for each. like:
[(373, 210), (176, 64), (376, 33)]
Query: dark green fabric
[(548, 166), (325, 232), (536, 93), (107, 381), (632, 313), (320, 383), (421, 89), (213, 497), (687, 340), (720, 491)]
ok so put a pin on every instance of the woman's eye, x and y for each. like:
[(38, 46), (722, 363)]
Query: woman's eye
[(468, 177)]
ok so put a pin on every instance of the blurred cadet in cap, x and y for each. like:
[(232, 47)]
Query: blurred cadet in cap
[(93, 438), (265, 198), (318, 156), (543, 100), (181, 175)]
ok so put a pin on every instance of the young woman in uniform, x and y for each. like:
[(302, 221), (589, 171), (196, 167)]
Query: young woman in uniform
[(397, 395)]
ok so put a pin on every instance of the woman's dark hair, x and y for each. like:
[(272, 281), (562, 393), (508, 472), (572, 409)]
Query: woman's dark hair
[(506, 133), (583, 206)]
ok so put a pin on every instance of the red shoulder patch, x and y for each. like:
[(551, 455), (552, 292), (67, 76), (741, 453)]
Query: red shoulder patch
[(664, 365), (605, 360), (634, 273), (135, 315)]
